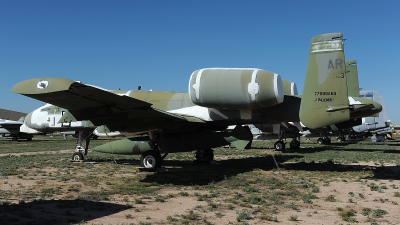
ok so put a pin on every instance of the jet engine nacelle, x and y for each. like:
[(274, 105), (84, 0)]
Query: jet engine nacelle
[(235, 88)]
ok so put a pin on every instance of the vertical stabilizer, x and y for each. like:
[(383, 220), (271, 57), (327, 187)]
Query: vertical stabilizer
[(352, 78), (324, 99)]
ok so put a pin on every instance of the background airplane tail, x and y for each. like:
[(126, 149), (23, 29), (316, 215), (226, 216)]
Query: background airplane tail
[(325, 94), (352, 78)]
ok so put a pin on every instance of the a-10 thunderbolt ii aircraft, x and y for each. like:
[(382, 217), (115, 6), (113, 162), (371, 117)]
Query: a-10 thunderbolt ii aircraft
[(376, 126), (167, 122), (340, 129), (47, 119)]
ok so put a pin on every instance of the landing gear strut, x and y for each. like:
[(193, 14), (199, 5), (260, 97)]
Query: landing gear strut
[(80, 148), (152, 158)]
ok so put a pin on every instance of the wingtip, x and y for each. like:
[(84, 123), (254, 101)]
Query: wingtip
[(41, 85)]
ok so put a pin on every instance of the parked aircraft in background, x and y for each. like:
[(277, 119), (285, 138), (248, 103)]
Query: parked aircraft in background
[(11, 129), (48, 119), (169, 122), (379, 126)]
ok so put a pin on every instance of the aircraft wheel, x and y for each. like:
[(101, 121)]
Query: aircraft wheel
[(77, 156), (151, 159), (340, 139), (205, 155), (294, 144), (15, 139), (279, 145), (327, 140), (320, 141)]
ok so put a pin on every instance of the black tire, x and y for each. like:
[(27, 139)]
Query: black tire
[(77, 156), (279, 145), (295, 144), (320, 141), (340, 139), (327, 140), (205, 155), (151, 159)]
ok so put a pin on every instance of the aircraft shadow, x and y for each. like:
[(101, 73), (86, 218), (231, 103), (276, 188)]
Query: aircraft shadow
[(60, 212), (117, 161), (393, 144), (380, 172), (194, 173), (204, 173), (327, 148)]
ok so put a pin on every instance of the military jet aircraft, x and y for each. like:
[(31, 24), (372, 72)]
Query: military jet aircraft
[(296, 129), (11, 129), (168, 122), (380, 125), (355, 98), (339, 129), (47, 119)]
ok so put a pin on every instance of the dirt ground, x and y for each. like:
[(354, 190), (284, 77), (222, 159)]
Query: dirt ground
[(333, 197)]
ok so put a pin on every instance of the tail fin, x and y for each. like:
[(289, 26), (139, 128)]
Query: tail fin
[(325, 97), (352, 78)]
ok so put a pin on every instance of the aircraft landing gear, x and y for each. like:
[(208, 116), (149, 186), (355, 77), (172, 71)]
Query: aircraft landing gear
[(279, 145), (341, 139), (324, 140), (80, 148), (77, 156), (327, 140), (295, 144), (151, 159), (205, 155)]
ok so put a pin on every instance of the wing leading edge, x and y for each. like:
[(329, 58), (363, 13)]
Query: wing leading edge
[(86, 102)]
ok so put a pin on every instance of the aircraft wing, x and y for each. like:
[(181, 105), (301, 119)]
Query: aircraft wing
[(9, 123), (101, 107)]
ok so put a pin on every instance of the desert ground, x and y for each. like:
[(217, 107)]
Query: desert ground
[(352, 182)]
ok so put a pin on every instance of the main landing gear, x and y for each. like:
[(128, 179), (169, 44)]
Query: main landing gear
[(280, 144), (151, 159), (341, 138), (151, 152), (324, 140)]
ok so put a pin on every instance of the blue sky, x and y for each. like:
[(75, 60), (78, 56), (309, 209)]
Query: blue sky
[(158, 44)]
